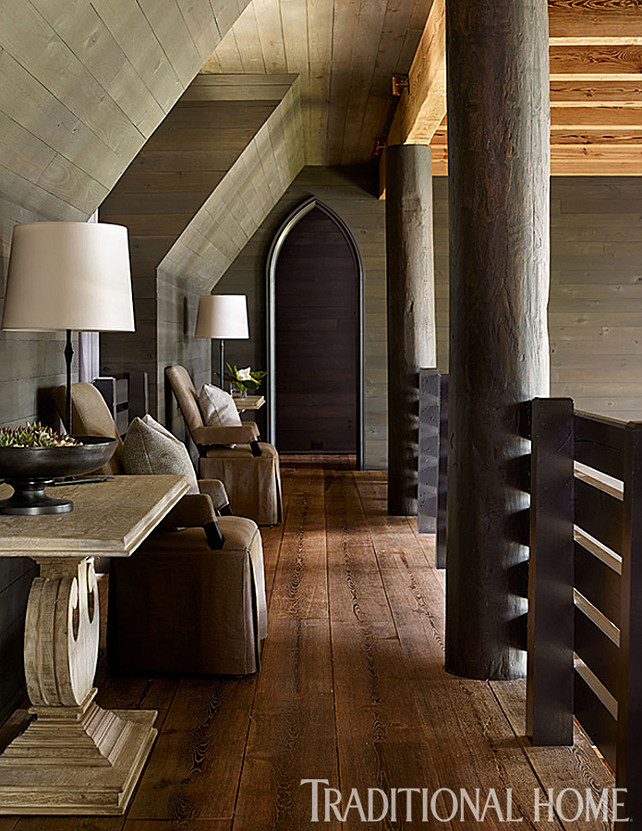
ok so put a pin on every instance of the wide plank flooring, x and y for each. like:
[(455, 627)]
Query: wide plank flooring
[(352, 690)]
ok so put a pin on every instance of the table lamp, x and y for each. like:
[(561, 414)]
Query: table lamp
[(66, 276), (222, 316)]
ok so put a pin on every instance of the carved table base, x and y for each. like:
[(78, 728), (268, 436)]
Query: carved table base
[(74, 757)]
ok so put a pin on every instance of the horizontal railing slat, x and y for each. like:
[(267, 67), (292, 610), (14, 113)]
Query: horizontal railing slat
[(598, 583), (600, 514), (597, 651), (596, 720), (599, 443)]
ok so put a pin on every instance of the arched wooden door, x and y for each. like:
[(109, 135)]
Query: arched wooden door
[(315, 332)]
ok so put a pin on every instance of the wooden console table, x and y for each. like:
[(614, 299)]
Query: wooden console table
[(74, 757)]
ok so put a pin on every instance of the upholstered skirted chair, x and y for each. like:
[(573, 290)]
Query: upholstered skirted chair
[(252, 481), (191, 599)]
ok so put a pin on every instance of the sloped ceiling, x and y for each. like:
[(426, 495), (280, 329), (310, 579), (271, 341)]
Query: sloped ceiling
[(251, 187), (196, 192), (596, 89), (345, 52), (84, 85)]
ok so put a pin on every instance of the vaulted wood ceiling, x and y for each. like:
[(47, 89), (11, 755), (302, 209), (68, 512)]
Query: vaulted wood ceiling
[(345, 51), (596, 88), (252, 185), (85, 84)]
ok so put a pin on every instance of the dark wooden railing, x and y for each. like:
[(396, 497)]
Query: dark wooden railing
[(433, 458), (585, 587), (428, 452)]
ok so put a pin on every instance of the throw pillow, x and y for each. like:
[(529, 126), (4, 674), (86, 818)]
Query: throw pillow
[(150, 448), (218, 407)]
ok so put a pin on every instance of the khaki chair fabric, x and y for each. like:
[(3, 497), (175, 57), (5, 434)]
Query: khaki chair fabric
[(176, 605), (91, 417), (253, 483)]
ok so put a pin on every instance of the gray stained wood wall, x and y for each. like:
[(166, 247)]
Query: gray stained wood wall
[(86, 84), (595, 307), (191, 198), (595, 310)]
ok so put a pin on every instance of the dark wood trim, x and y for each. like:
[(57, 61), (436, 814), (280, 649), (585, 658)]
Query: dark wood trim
[(599, 514), (276, 245), (599, 443), (428, 460), (550, 583), (629, 759), (442, 496), (595, 718), (599, 583)]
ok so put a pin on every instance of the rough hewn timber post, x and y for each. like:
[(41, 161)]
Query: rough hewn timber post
[(411, 312), (499, 160)]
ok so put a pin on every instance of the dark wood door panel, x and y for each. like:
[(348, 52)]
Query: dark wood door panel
[(317, 353)]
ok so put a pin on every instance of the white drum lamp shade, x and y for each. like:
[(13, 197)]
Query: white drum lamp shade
[(222, 316), (69, 275), (66, 276)]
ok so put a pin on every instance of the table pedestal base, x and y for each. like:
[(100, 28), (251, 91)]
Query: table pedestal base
[(76, 760)]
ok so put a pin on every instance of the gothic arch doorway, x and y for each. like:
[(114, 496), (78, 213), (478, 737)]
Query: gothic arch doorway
[(315, 349)]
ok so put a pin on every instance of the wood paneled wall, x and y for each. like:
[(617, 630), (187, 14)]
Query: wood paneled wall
[(191, 198), (595, 308), (254, 183), (350, 192), (86, 84)]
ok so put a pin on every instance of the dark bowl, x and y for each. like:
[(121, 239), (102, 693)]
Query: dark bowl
[(29, 469)]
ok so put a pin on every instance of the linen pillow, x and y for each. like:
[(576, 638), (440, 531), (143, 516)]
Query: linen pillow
[(150, 448), (218, 407)]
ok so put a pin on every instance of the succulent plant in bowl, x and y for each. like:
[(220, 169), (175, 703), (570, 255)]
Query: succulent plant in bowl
[(33, 456), (35, 435)]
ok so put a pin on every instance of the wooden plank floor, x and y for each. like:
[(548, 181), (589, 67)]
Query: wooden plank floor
[(352, 690)]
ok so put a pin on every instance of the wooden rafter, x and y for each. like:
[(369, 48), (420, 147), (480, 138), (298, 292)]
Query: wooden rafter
[(596, 90), (423, 105)]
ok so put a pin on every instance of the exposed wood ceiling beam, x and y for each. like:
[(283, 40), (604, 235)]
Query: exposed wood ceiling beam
[(585, 18), (422, 106), (596, 90)]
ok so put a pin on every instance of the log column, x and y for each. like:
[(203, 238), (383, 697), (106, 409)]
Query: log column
[(411, 312), (499, 162)]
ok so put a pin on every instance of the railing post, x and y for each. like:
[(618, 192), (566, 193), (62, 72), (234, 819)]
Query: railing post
[(629, 721), (442, 481), (428, 461), (549, 719)]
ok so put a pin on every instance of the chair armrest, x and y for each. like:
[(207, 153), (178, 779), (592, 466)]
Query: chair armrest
[(196, 511), (215, 489), (244, 434), (193, 511)]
